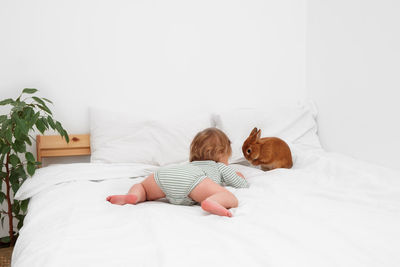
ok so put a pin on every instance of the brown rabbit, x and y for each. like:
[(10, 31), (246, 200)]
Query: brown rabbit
[(269, 152)]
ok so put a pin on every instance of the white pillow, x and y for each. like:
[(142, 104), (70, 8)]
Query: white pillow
[(158, 140), (295, 125)]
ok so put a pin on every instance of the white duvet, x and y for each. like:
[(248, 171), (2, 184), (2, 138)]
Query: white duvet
[(329, 210)]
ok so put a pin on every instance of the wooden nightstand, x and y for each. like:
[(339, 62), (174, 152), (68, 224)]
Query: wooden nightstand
[(56, 146)]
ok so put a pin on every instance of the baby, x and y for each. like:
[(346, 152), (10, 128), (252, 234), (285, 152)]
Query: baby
[(200, 180)]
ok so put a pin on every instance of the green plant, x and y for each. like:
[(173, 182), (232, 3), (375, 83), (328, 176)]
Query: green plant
[(16, 163)]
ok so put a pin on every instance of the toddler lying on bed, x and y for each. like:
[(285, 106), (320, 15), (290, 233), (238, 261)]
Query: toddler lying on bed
[(200, 180)]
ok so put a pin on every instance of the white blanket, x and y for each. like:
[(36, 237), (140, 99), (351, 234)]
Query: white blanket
[(329, 210)]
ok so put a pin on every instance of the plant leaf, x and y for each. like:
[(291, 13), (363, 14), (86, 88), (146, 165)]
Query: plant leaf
[(34, 119), (22, 128), (45, 99), (4, 125), (18, 104), (15, 207), (45, 122), (29, 157), (5, 239), (40, 126), (31, 167), (6, 101), (17, 132), (21, 217), (19, 146), (2, 226), (66, 136), (20, 224), (62, 131), (2, 196), (14, 160), (24, 205), (45, 108), (59, 127), (51, 122), (20, 172), (2, 156), (29, 91), (14, 175), (28, 112), (9, 135), (3, 118), (5, 149), (27, 140), (15, 186), (40, 101)]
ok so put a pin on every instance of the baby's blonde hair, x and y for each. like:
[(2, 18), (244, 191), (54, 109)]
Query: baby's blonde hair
[(210, 144)]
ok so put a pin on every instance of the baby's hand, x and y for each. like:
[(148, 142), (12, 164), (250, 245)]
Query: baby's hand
[(240, 174)]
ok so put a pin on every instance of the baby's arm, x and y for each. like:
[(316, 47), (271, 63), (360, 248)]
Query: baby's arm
[(232, 178)]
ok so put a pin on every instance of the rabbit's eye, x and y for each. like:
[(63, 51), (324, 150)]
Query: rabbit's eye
[(248, 151)]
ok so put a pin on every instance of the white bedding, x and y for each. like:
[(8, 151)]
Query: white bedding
[(329, 210)]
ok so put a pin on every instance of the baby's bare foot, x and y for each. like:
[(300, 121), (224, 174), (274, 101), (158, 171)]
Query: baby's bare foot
[(215, 208), (122, 199)]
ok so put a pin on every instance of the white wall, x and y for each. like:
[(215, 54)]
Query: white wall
[(352, 72), (152, 54), (158, 55)]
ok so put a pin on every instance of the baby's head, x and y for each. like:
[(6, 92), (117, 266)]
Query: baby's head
[(210, 144)]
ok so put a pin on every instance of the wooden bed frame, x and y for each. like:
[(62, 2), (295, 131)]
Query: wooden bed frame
[(56, 146)]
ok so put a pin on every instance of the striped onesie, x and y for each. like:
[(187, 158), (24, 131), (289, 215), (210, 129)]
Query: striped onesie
[(178, 181)]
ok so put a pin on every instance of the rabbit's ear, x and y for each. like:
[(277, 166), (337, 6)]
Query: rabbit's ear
[(254, 131), (258, 135)]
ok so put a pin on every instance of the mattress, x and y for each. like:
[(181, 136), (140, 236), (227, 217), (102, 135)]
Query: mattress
[(328, 210)]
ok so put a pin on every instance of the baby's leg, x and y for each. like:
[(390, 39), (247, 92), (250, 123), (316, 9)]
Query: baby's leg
[(214, 198), (146, 190), (135, 195)]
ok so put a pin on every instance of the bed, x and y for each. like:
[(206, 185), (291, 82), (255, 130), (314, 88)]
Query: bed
[(328, 210)]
